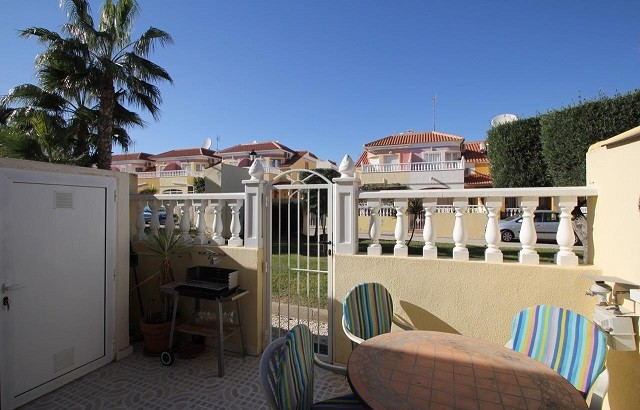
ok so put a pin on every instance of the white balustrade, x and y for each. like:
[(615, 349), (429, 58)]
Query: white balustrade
[(154, 223), (400, 248), (140, 235), (565, 236), (169, 223), (235, 239), (492, 233), (201, 225), (460, 252), (374, 228), (528, 235), (185, 222), (413, 167), (216, 226), (429, 250)]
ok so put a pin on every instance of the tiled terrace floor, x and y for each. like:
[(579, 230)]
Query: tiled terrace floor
[(141, 382)]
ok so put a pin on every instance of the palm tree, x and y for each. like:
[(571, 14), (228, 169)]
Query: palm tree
[(414, 208), (104, 62)]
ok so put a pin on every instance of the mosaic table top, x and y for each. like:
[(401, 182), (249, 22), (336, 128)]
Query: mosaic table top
[(434, 370)]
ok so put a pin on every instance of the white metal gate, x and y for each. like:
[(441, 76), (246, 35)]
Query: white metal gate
[(300, 256)]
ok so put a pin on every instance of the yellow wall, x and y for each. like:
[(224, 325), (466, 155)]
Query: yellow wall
[(250, 277), (385, 177), (612, 166), (483, 168), (476, 299), (474, 223)]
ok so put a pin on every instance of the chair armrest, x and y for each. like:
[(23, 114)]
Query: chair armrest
[(331, 367), (350, 335), (598, 390), (402, 323)]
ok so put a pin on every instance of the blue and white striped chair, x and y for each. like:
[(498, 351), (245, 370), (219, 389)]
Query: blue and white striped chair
[(367, 311), (286, 374), (566, 342)]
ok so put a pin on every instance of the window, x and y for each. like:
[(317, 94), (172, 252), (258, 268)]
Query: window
[(139, 169), (190, 189), (184, 167), (200, 167), (172, 191), (451, 156), (431, 156), (276, 162)]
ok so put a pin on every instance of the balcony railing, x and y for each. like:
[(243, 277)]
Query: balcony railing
[(169, 174), (414, 166)]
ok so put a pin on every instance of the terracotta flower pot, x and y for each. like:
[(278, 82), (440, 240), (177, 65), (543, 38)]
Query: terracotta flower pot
[(156, 336)]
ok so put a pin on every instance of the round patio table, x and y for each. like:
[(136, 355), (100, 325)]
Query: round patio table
[(429, 370)]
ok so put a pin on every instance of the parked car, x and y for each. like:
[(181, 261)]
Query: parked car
[(546, 224), (162, 214)]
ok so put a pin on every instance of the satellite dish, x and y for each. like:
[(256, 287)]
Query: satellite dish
[(502, 119), (207, 143)]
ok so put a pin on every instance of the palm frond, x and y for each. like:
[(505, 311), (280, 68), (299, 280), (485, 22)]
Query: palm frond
[(149, 39)]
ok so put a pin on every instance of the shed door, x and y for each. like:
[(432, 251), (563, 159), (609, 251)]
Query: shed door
[(54, 251)]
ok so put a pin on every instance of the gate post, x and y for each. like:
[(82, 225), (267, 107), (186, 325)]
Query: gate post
[(345, 208), (254, 207)]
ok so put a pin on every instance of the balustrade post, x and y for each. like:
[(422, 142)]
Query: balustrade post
[(528, 236), (254, 207), (185, 222), (235, 239), (169, 223), (492, 234), (140, 235), (429, 250), (154, 222), (565, 236), (374, 249), (400, 248), (345, 205), (216, 237), (201, 225), (460, 252)]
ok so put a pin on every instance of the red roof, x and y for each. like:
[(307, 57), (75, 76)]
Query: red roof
[(363, 160), (474, 153), (295, 157), (130, 157), (478, 179), (256, 146), (186, 152), (172, 166), (245, 163), (412, 137)]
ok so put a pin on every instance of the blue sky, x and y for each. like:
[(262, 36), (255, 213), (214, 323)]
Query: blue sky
[(330, 76)]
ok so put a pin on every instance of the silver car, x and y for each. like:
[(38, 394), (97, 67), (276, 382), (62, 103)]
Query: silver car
[(546, 223)]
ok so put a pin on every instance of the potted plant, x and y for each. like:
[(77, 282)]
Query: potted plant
[(156, 327)]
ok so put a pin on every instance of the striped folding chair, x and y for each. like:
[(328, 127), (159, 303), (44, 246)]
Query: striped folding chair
[(367, 311), (566, 342), (287, 374)]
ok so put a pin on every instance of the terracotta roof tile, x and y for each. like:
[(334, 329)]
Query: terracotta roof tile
[(363, 160), (295, 157), (172, 166), (257, 146), (413, 137), (478, 179), (473, 152), (186, 152), (132, 156)]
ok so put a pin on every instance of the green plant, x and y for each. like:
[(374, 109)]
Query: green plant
[(151, 189), (164, 244)]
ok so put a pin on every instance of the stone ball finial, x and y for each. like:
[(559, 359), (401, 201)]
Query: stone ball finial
[(256, 171), (347, 168)]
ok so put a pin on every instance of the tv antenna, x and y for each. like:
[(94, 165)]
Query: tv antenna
[(217, 142), (435, 98)]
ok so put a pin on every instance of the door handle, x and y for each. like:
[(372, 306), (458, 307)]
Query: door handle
[(6, 288)]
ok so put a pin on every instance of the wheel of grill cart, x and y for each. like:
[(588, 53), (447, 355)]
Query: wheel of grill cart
[(167, 358)]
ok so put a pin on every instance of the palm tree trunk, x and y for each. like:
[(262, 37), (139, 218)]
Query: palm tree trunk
[(105, 123)]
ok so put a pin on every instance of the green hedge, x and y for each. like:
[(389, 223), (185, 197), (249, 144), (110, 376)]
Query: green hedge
[(515, 154), (567, 134)]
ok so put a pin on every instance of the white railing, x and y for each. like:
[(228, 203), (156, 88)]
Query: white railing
[(493, 200), (389, 210), (414, 166), (189, 211), (169, 174)]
